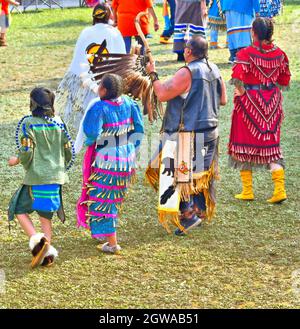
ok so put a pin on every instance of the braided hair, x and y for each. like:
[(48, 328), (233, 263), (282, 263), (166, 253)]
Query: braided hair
[(263, 28), (113, 84), (42, 102), (199, 48)]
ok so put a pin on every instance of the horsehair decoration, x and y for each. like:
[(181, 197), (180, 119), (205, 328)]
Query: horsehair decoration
[(131, 67)]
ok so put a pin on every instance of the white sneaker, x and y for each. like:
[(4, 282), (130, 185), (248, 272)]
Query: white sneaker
[(110, 249)]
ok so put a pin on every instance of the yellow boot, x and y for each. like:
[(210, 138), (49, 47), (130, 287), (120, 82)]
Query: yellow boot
[(247, 193), (279, 194)]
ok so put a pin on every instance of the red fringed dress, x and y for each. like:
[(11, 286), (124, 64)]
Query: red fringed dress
[(257, 115)]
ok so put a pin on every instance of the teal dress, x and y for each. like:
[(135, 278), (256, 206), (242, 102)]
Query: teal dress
[(116, 128)]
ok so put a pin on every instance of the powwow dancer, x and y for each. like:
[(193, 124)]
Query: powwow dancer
[(190, 19), (258, 73), (125, 13), (239, 17), (5, 19), (73, 96), (169, 20), (114, 129), (270, 8), (45, 153), (131, 67), (216, 22), (186, 166)]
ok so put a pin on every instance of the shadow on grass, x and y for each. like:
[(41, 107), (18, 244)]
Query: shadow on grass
[(50, 83), (53, 43), (65, 24)]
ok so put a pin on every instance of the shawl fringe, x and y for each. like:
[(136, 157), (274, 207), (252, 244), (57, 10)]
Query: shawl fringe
[(72, 98)]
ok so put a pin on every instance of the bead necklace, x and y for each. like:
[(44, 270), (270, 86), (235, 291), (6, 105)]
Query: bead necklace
[(60, 125)]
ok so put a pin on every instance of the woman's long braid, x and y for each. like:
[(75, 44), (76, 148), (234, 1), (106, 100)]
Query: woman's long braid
[(207, 62)]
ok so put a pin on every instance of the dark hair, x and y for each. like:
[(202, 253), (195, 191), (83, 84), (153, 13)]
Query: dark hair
[(263, 29), (113, 84), (42, 102), (101, 13), (199, 48)]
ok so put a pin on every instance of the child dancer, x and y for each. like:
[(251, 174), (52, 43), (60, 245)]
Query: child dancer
[(4, 19), (45, 152), (114, 129)]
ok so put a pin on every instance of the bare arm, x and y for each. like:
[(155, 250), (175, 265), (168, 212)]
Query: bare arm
[(152, 13), (15, 3), (115, 17), (177, 85), (224, 99), (203, 8)]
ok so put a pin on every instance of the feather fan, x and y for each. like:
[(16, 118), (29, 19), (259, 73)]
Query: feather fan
[(131, 67)]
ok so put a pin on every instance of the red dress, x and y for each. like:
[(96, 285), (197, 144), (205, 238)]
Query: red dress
[(257, 115)]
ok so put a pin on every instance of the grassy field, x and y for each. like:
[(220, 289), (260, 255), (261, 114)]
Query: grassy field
[(245, 258)]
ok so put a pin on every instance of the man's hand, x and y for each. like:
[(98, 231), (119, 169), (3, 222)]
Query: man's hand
[(150, 67), (13, 161), (156, 25)]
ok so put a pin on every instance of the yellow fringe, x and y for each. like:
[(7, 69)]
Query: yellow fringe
[(202, 183), (152, 172), (166, 218), (185, 191), (152, 177)]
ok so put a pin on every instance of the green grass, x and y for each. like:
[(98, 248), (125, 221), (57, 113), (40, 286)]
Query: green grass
[(243, 259)]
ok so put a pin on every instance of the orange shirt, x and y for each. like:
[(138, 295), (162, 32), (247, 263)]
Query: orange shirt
[(4, 7), (127, 11)]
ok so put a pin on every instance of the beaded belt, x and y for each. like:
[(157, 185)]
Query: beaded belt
[(260, 87)]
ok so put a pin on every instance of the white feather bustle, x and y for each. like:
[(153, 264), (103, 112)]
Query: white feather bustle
[(35, 239), (83, 65), (52, 252)]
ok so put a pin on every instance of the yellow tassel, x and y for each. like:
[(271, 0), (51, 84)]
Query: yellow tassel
[(166, 218)]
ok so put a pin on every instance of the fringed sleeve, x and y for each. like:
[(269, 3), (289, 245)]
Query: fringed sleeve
[(241, 66), (285, 74), (138, 132), (93, 124), (27, 141), (67, 149)]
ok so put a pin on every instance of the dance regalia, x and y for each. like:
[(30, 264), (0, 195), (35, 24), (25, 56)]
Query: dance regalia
[(72, 96), (185, 167), (44, 152), (109, 162), (239, 18), (188, 22), (270, 8), (217, 20), (257, 115)]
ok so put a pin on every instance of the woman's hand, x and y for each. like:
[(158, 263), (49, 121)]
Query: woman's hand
[(13, 161), (239, 91)]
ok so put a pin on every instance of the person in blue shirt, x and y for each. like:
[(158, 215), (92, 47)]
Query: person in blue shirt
[(270, 8), (239, 17), (216, 21)]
